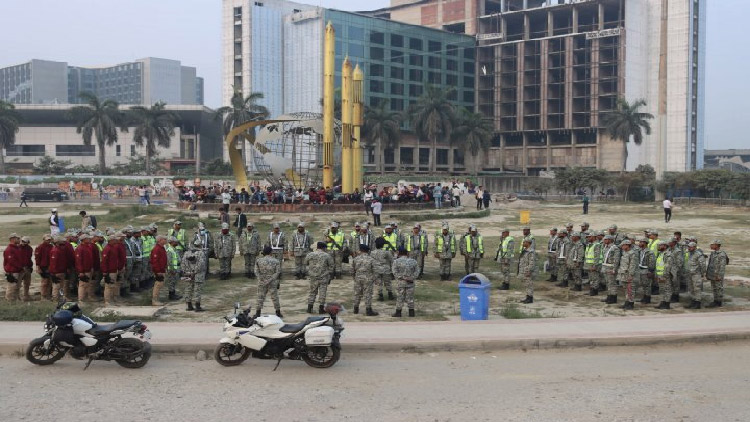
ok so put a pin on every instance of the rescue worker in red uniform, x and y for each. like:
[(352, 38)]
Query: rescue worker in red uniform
[(28, 266), (159, 268), (58, 266), (13, 266), (110, 266), (84, 268), (41, 258)]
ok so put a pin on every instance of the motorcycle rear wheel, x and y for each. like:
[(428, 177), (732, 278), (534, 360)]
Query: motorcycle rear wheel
[(133, 345), (35, 352), (321, 356), (227, 354)]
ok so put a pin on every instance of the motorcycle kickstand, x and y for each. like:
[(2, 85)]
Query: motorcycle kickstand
[(278, 362), (91, 359)]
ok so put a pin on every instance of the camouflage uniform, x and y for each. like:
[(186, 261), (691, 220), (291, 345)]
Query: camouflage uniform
[(383, 261), (173, 267), (224, 250), (527, 269), (405, 270), (716, 267), (646, 267), (249, 248), (268, 270), (473, 250), (696, 267), (563, 250), (445, 251), (574, 261), (135, 262), (336, 243), (361, 238), (627, 273), (416, 246), (665, 273), (593, 263), (552, 245), (610, 266), (301, 246), (504, 255), (363, 270), (319, 270), (193, 268), (207, 246), (277, 242)]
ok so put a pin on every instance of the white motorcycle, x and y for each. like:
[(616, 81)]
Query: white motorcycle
[(315, 340)]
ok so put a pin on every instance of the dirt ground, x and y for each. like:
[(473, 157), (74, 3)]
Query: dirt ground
[(438, 300)]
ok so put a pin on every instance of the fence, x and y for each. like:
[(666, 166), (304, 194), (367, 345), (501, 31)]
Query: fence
[(687, 200)]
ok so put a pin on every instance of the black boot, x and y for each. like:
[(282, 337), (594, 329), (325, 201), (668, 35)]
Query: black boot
[(562, 284), (663, 305), (257, 313), (646, 300), (675, 298), (654, 289), (309, 308), (593, 291), (252, 275), (504, 286), (696, 304), (174, 296), (356, 309), (577, 288), (412, 313), (628, 306), (278, 313), (611, 299), (198, 307), (391, 296), (190, 306), (380, 297), (247, 275), (529, 299), (321, 309), (714, 304), (397, 314), (370, 312), (552, 277)]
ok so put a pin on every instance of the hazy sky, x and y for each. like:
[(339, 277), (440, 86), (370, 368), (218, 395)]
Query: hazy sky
[(96, 32)]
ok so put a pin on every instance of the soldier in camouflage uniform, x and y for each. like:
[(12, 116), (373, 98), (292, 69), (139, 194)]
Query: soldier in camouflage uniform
[(362, 236), (665, 273), (224, 250), (405, 270), (527, 269), (563, 249), (416, 245), (526, 231), (250, 248), (574, 262), (472, 248), (383, 261), (676, 264), (363, 271), (646, 267), (618, 238), (593, 262), (715, 269), (336, 241), (207, 243), (445, 250), (696, 267), (552, 245), (504, 256), (610, 267), (268, 270), (319, 266), (302, 243), (627, 273), (193, 267), (173, 267), (277, 243)]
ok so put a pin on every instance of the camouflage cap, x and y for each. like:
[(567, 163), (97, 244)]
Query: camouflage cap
[(47, 237), (445, 226), (656, 232), (388, 226), (84, 237), (575, 234), (716, 242), (357, 224), (145, 229), (25, 239), (526, 228), (178, 223), (590, 234), (626, 242), (224, 226), (612, 226), (160, 237), (59, 239), (172, 239), (673, 240), (473, 228), (505, 230), (153, 226), (585, 223), (334, 225), (301, 224), (201, 225), (692, 244), (569, 225), (661, 243), (553, 229), (277, 226), (608, 237)]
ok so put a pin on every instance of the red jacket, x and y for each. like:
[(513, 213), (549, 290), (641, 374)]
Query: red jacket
[(84, 259), (58, 260), (159, 260), (13, 259), (28, 253), (96, 254), (70, 255), (122, 257), (41, 254), (110, 260)]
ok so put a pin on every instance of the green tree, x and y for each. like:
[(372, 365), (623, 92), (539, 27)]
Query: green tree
[(10, 120), (100, 120), (433, 116), (48, 165), (473, 132), (242, 110), (382, 128), (154, 127), (217, 167), (137, 165), (626, 122)]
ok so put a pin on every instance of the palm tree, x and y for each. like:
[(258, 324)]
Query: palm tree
[(628, 120), (432, 117), (382, 127), (153, 125), (100, 119), (10, 121), (473, 132), (242, 110)]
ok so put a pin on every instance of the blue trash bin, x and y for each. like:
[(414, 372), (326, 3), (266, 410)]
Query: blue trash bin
[(474, 292)]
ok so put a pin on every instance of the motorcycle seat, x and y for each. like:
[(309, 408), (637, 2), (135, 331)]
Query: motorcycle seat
[(293, 328), (102, 329)]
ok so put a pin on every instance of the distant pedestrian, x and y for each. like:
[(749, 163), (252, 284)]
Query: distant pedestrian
[(585, 203), (486, 199), (479, 195), (23, 200), (368, 196), (667, 210), (54, 223), (377, 209)]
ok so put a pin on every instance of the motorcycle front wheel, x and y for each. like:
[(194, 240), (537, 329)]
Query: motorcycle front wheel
[(231, 355), (36, 354), (140, 350), (321, 356)]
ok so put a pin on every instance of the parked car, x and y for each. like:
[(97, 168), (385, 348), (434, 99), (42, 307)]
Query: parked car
[(45, 194)]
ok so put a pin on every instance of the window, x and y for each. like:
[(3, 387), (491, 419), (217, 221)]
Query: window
[(434, 46), (415, 60), (441, 157), (451, 65), (452, 95), (377, 38), (117, 150), (469, 67), (468, 82), (357, 50), (415, 75), (187, 148), (237, 13), (397, 89), (397, 40), (375, 101), (356, 33), (376, 86), (469, 53), (388, 156), (132, 150), (397, 57), (376, 53), (369, 155), (434, 62), (75, 150), (434, 78), (469, 97), (397, 104), (495, 142), (451, 50), (397, 72), (415, 90), (376, 70), (259, 4), (24, 151), (458, 157), (415, 44), (451, 80), (424, 156), (407, 155)]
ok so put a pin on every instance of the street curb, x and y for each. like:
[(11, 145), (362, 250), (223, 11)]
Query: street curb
[(17, 350)]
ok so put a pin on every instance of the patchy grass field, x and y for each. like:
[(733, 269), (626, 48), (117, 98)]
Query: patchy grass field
[(436, 300)]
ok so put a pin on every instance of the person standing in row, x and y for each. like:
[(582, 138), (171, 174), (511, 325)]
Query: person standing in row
[(277, 243), (563, 250), (28, 266), (383, 261), (173, 267), (627, 273), (664, 273), (13, 266), (593, 262), (696, 267), (193, 266), (319, 266), (159, 263), (552, 246), (250, 248), (416, 246), (335, 241), (715, 269), (527, 269), (574, 262), (363, 272), (302, 243), (109, 268), (445, 251), (646, 267), (504, 256), (472, 248), (224, 250), (41, 258), (178, 233), (268, 270), (207, 245), (610, 264), (405, 270)]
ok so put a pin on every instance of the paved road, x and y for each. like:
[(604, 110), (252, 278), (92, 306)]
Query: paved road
[(695, 383)]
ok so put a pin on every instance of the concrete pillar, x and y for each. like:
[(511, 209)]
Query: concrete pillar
[(601, 16), (526, 26), (519, 92), (525, 154), (550, 24), (575, 19), (594, 83), (544, 89), (569, 82)]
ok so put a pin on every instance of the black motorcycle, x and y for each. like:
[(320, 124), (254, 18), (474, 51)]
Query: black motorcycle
[(67, 330)]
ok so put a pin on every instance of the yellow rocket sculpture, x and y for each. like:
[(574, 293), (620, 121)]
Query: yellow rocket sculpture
[(328, 98), (346, 127), (358, 117)]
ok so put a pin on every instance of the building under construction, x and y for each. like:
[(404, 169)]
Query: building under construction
[(548, 71)]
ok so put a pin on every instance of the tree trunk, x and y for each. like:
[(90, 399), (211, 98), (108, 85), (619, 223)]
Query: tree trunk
[(149, 148), (381, 152), (624, 156), (2, 161), (102, 160)]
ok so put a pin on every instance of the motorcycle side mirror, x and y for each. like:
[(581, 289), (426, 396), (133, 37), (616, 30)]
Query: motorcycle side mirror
[(237, 305)]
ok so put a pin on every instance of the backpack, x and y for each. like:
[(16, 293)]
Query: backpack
[(93, 221)]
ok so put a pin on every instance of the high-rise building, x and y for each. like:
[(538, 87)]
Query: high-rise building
[(144, 81), (549, 70)]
